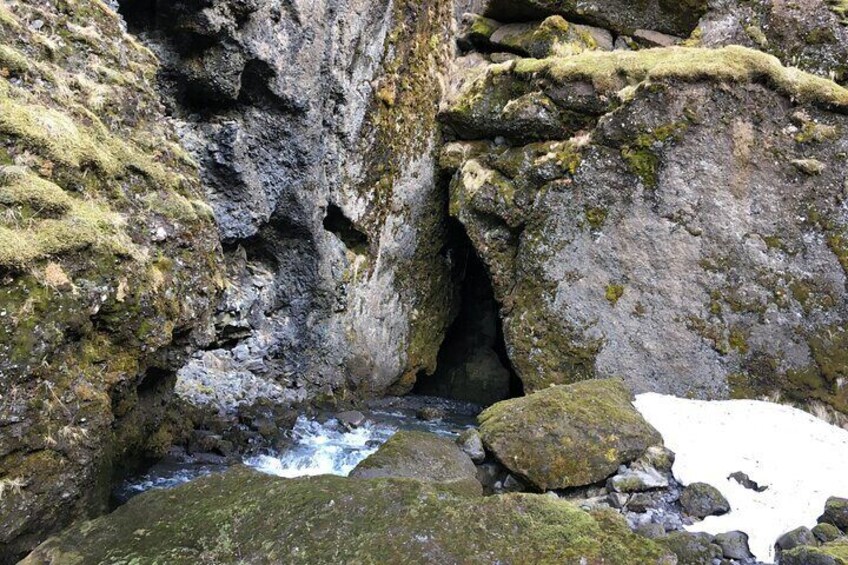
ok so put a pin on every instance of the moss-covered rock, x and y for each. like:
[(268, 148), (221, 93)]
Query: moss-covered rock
[(108, 257), (701, 500), (832, 553), (836, 513), (422, 456), (245, 516), (691, 548), (566, 436)]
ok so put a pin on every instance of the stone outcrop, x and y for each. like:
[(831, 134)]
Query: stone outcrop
[(567, 436), (243, 515), (109, 262), (314, 126), (671, 216)]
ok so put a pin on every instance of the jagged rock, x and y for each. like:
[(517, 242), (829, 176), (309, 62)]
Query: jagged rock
[(247, 516), (314, 128), (423, 456), (795, 538), (734, 545), (701, 500), (566, 436), (836, 513), (614, 252), (470, 443), (109, 264), (617, 15)]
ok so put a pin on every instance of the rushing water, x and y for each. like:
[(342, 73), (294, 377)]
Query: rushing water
[(320, 445)]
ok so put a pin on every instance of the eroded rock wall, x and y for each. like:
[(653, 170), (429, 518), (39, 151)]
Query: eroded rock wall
[(110, 264)]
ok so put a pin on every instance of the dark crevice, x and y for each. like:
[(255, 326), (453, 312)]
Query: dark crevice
[(140, 15), (337, 223), (473, 364)]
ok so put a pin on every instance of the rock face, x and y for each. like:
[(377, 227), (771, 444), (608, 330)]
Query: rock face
[(613, 251), (423, 456), (314, 126), (243, 515), (566, 436), (109, 262)]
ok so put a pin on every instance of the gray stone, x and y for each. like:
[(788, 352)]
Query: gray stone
[(351, 419), (637, 480), (469, 441), (700, 500), (651, 530), (734, 545), (795, 538)]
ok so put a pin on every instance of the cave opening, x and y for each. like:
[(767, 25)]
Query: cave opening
[(342, 227), (473, 365), (140, 15)]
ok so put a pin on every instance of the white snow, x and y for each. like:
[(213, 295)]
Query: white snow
[(802, 460)]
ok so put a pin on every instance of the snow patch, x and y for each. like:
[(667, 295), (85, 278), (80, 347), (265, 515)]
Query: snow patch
[(801, 459)]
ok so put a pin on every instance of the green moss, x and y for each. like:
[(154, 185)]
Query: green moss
[(596, 217), (738, 340), (613, 293), (812, 132), (243, 515), (757, 36)]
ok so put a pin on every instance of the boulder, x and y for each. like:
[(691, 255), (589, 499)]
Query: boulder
[(423, 456), (242, 515), (836, 513), (833, 553), (734, 545), (637, 480), (351, 419), (796, 538), (566, 436), (470, 443), (691, 548), (701, 500), (826, 532)]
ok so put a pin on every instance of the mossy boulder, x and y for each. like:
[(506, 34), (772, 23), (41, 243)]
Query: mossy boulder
[(245, 516), (832, 553), (701, 500), (566, 436), (109, 262), (422, 456), (691, 548), (836, 513)]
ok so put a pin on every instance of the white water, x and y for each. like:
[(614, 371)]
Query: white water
[(324, 449), (802, 460)]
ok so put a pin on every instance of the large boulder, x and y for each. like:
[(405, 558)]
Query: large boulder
[(245, 516), (423, 456), (701, 500), (836, 513), (833, 553), (109, 262), (675, 219), (566, 436)]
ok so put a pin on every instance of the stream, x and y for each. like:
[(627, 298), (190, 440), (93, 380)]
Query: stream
[(320, 445)]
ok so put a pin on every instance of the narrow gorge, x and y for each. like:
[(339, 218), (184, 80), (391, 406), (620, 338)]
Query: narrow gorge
[(424, 281)]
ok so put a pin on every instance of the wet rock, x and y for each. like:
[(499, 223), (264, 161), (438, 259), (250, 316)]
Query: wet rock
[(746, 481), (423, 456), (430, 413), (469, 442), (701, 500), (489, 475), (376, 520), (795, 538), (567, 436), (836, 513), (351, 419), (734, 545)]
